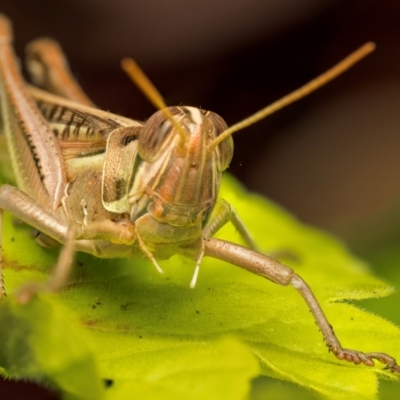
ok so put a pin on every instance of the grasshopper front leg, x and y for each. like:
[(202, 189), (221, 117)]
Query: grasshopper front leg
[(280, 274)]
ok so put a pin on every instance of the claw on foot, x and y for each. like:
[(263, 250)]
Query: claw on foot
[(357, 357)]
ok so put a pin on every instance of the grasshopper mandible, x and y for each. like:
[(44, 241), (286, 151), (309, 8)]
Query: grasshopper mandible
[(114, 187)]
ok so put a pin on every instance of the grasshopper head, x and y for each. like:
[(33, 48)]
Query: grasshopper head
[(200, 128), (180, 181)]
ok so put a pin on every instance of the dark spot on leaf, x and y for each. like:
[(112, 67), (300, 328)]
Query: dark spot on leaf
[(123, 328), (197, 312), (12, 239), (91, 323), (16, 267), (108, 382), (93, 307), (125, 306)]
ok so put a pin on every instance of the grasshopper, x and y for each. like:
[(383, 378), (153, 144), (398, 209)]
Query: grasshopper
[(114, 187)]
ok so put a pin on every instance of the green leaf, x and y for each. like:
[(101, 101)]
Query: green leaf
[(151, 336), (38, 340)]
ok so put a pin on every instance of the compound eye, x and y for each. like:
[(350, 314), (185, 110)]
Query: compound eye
[(157, 133), (224, 151)]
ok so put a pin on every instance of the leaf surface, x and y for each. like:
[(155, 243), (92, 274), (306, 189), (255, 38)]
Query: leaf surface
[(121, 326)]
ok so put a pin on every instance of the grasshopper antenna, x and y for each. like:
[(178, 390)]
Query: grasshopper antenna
[(140, 79), (308, 88)]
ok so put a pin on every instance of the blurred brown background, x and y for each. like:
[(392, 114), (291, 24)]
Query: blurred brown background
[(332, 159)]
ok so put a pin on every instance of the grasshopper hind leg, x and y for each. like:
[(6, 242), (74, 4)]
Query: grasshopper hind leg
[(49, 70)]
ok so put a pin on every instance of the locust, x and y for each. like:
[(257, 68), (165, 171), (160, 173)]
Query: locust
[(110, 186)]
